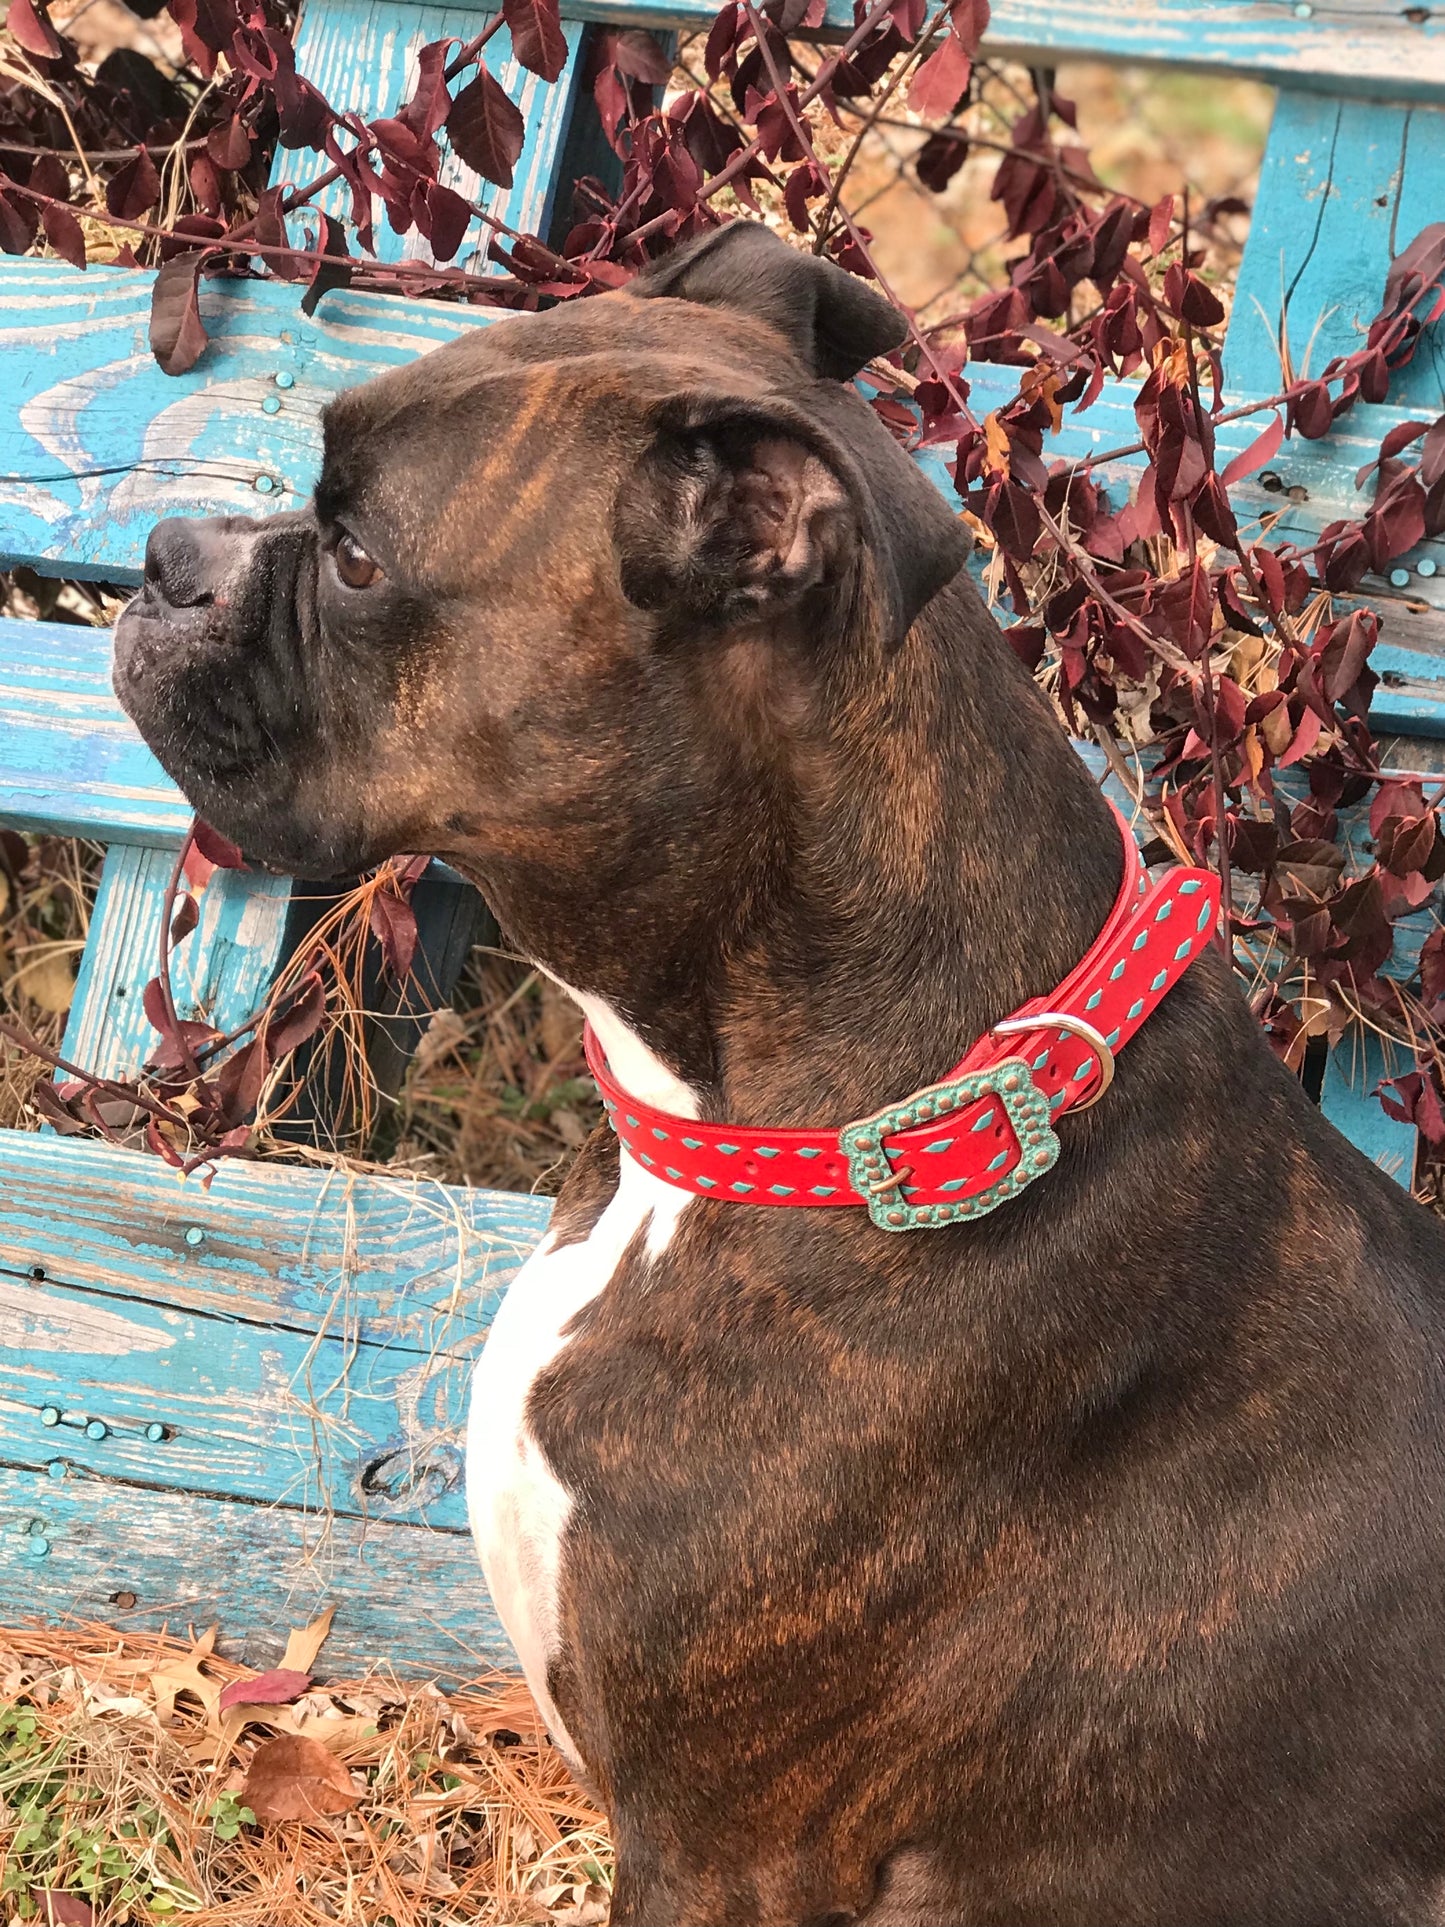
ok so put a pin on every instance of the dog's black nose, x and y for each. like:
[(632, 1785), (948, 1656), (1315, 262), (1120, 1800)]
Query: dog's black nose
[(184, 562)]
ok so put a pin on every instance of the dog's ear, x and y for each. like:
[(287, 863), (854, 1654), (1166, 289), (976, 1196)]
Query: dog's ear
[(739, 509), (731, 514), (834, 322)]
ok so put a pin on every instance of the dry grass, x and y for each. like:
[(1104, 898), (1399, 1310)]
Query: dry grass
[(498, 1093), (123, 1782)]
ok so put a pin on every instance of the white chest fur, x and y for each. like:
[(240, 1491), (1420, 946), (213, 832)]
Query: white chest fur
[(519, 1509)]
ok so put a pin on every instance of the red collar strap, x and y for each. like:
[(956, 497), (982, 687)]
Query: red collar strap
[(963, 1146)]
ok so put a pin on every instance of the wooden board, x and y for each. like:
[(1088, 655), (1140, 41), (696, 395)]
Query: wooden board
[(78, 1547), (219, 973), (1344, 185), (1367, 47), (362, 54), (303, 1338)]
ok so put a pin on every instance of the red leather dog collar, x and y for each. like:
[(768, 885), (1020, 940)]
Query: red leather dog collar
[(962, 1147)]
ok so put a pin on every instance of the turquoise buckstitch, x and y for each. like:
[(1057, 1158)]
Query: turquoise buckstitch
[(1041, 1059), (1117, 972), (647, 1160), (1166, 909), (1002, 1158), (692, 1144), (983, 1123), (767, 1150), (709, 1182), (1160, 981), (660, 1135), (953, 1184), (1189, 886), (938, 1144), (1140, 941), (674, 1174), (1184, 949), (729, 1150), (1206, 916), (781, 1190), (810, 1151), (1113, 1037), (824, 1190), (1084, 1069), (1095, 1000), (1134, 1010), (1057, 1099), (636, 1123), (738, 1185)]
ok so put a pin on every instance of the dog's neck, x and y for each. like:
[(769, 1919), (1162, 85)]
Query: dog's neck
[(888, 864)]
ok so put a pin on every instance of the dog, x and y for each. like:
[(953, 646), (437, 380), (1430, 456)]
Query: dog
[(1074, 1556)]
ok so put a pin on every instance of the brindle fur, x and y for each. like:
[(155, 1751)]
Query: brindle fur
[(1082, 1566)]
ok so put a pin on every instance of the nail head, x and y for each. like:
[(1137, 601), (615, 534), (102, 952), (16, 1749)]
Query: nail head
[(271, 405), (97, 1428), (50, 1415), (195, 1235), (284, 380)]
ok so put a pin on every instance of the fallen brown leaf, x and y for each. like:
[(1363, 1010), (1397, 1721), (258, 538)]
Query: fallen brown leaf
[(62, 1910), (295, 1778)]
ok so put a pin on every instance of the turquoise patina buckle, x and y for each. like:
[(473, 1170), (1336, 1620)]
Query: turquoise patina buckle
[(873, 1176)]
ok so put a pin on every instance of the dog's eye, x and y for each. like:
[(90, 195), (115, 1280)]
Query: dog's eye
[(354, 565)]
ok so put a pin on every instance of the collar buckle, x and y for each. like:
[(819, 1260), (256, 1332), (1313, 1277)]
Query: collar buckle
[(881, 1183)]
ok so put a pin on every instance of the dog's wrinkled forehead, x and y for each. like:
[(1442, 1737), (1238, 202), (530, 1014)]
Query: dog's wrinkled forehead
[(761, 319)]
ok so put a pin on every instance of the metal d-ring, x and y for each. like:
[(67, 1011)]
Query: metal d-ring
[(1076, 1027)]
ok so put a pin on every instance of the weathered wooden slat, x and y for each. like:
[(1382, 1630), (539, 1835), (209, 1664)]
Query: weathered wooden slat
[(395, 1260), (219, 973), (1344, 185), (299, 1337), (79, 1547), (362, 54), (70, 760), (99, 443), (330, 1423), (1367, 47)]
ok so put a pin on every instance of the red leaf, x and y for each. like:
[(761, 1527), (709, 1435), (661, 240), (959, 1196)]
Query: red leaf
[(18, 222), (65, 234), (218, 850), (134, 188), (29, 26), (276, 1688), (229, 146), (1199, 305), (1161, 221), (1256, 455), (1432, 455), (448, 218), (635, 52), (969, 20), (187, 916), (536, 32), (153, 1003), (302, 1020), (62, 1910), (177, 333), (486, 129), (939, 159), (942, 81), (328, 274), (1310, 411), (393, 924)]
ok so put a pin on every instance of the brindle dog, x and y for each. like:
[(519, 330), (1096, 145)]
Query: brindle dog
[(1082, 1565)]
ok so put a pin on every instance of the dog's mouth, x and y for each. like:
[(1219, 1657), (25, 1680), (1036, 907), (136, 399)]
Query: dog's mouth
[(185, 683)]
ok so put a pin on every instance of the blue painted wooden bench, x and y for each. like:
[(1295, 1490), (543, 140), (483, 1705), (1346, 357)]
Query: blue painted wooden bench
[(241, 1402)]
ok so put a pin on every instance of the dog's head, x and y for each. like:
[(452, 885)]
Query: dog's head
[(539, 565)]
